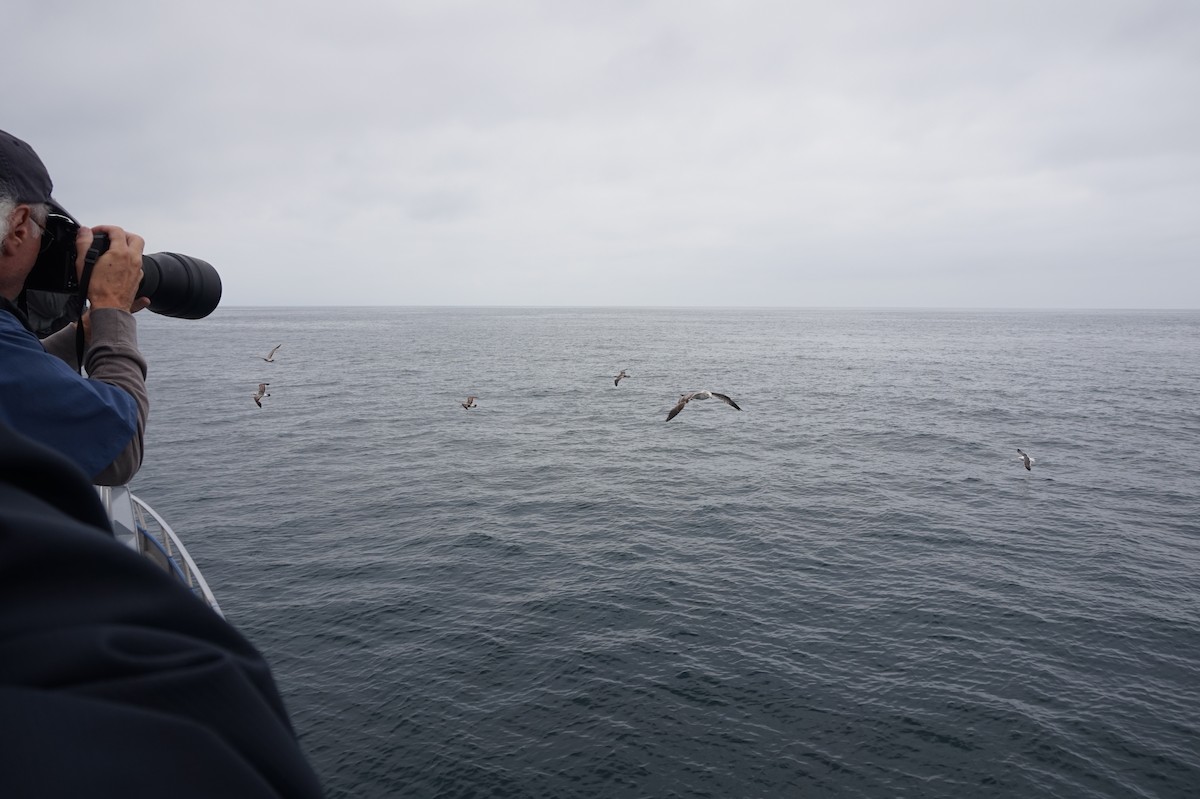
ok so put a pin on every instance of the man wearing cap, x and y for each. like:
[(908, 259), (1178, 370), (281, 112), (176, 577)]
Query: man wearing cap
[(97, 422)]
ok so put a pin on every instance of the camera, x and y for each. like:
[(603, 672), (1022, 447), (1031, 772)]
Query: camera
[(177, 285)]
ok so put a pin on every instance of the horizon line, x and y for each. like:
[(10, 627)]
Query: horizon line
[(746, 307)]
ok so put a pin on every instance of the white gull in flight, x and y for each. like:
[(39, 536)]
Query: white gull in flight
[(684, 399), (262, 392), (1028, 460)]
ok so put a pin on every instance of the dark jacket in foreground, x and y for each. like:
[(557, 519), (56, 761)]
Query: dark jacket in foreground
[(114, 679)]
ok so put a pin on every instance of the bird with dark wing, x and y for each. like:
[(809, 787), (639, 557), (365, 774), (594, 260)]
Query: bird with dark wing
[(684, 399), (1024, 457)]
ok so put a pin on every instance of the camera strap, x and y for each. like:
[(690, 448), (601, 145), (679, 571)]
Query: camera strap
[(84, 281)]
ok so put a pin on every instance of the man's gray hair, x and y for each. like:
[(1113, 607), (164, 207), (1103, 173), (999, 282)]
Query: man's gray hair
[(38, 211)]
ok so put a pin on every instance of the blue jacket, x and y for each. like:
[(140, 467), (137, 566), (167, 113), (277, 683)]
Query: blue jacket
[(88, 421)]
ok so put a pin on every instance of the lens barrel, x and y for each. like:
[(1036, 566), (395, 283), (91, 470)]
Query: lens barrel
[(180, 285)]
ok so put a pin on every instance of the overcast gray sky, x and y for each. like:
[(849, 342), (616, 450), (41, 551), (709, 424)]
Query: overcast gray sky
[(612, 152)]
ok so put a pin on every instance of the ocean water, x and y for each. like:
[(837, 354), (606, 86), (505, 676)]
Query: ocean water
[(850, 588)]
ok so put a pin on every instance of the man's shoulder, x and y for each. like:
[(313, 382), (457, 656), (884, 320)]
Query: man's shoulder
[(24, 361), (13, 334)]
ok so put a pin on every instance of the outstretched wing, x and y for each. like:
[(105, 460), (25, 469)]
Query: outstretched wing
[(679, 407), (726, 400)]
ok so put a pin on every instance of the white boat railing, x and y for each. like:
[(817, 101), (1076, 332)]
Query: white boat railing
[(138, 526)]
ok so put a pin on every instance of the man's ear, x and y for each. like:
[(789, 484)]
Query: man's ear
[(19, 229)]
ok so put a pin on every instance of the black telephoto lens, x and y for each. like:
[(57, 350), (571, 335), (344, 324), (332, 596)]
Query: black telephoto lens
[(180, 285)]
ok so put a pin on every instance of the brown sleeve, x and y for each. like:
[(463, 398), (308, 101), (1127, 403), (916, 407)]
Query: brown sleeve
[(61, 345)]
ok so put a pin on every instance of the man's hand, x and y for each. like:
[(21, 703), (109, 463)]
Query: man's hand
[(117, 273)]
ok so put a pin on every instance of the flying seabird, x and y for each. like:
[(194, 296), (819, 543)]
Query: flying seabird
[(1028, 460), (469, 404), (271, 357), (684, 399), (262, 392), (619, 376)]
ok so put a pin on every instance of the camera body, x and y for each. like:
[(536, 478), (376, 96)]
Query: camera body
[(54, 270), (177, 285)]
